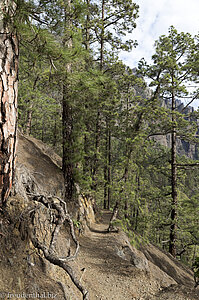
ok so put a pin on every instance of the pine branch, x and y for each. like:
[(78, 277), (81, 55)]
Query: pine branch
[(195, 97)]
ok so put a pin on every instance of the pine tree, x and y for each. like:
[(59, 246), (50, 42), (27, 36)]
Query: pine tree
[(169, 74)]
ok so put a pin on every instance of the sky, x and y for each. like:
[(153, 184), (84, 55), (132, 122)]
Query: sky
[(155, 18)]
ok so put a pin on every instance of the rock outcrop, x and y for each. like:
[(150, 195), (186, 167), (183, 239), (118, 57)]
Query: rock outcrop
[(183, 147)]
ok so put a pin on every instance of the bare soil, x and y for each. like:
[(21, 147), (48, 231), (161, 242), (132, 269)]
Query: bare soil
[(109, 276)]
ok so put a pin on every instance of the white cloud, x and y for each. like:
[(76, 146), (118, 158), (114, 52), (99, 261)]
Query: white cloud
[(156, 16)]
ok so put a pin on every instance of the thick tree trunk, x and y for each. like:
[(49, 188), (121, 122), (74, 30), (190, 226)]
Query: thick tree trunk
[(173, 228), (8, 99)]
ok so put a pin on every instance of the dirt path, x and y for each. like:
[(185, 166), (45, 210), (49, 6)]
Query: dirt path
[(108, 275)]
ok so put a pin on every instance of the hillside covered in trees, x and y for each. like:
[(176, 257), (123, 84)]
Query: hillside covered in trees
[(125, 147)]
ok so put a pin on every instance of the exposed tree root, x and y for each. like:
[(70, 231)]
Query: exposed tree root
[(59, 214), (63, 287)]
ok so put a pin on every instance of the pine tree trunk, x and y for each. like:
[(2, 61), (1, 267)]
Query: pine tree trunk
[(102, 38), (136, 212), (43, 130), (87, 25), (126, 206), (67, 117), (55, 131), (105, 186), (8, 100), (125, 176), (67, 164), (106, 168), (173, 228), (97, 130), (86, 166), (30, 110), (136, 219), (96, 155), (29, 120), (109, 170)]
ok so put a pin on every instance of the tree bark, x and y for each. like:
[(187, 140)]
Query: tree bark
[(8, 98)]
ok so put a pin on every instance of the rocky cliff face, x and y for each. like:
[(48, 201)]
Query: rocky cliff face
[(183, 147)]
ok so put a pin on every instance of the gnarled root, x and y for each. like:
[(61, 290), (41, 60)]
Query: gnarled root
[(58, 206)]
